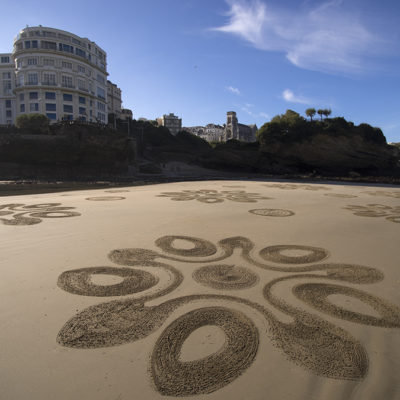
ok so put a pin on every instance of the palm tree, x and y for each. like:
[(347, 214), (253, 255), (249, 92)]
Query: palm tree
[(320, 113), (327, 112), (310, 112)]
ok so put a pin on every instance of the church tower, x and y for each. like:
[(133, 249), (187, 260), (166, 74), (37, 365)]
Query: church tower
[(231, 129)]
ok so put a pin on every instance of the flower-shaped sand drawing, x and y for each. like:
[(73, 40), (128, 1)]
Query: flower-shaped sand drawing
[(292, 186), (213, 196), (385, 193), (307, 339), (376, 210), (21, 214)]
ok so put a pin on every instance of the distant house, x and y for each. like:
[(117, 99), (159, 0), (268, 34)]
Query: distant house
[(172, 122)]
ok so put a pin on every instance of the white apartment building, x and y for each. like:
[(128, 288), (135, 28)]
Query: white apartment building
[(7, 97), (55, 73), (114, 100)]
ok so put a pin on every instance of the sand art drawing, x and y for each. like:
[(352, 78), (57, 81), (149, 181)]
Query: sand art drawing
[(292, 186), (311, 342), (385, 193), (342, 195), (22, 214), (376, 210), (213, 196), (105, 198), (272, 212)]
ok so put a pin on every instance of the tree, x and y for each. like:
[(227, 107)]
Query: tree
[(310, 112), (33, 123), (327, 112), (320, 113)]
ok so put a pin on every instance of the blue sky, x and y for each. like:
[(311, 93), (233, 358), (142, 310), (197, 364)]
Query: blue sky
[(201, 58)]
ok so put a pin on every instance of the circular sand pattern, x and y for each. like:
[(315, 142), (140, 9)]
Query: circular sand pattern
[(292, 186), (42, 206), (208, 200), (316, 295), (78, 281), (55, 214), (201, 247), (226, 277), (272, 212), (376, 210), (176, 378), (384, 193), (213, 196), (342, 195), (32, 214), (274, 254), (20, 220), (105, 198), (395, 218)]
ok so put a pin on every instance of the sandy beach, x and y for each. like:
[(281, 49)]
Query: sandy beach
[(215, 289)]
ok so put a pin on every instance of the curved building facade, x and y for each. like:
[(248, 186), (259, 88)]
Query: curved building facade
[(60, 75)]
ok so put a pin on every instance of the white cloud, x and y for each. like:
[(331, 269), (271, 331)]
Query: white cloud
[(233, 90), (324, 38), (290, 97), (265, 115)]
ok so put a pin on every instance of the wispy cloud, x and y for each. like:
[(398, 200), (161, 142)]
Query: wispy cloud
[(264, 115), (290, 97), (324, 38), (233, 90)]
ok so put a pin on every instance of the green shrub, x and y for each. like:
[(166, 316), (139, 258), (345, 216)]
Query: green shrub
[(33, 123)]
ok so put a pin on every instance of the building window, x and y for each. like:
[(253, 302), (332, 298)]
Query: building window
[(49, 62), (33, 79), (66, 65), (81, 69), (67, 81), (19, 46), (50, 96), (51, 107), (101, 106), (49, 79), (49, 34), (80, 52), (6, 75), (21, 97), (67, 97), (19, 63), (8, 103), (48, 45), (51, 116), (33, 95), (82, 110), (82, 100), (34, 44), (82, 85), (101, 93), (65, 47), (68, 108), (5, 60), (100, 78), (22, 108), (101, 117), (8, 113), (34, 107), (28, 44), (32, 61)]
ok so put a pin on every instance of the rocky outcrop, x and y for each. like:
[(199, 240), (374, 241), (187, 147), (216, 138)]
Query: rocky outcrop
[(331, 155)]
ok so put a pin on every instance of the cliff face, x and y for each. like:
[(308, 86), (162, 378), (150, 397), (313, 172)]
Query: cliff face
[(334, 155)]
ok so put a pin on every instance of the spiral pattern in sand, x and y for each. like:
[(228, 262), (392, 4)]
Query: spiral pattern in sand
[(225, 277)]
